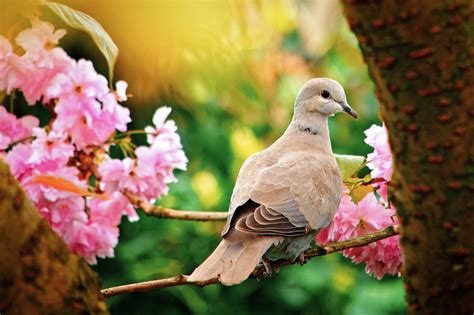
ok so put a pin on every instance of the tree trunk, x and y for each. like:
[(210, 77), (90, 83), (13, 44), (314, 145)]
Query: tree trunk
[(38, 274), (419, 54)]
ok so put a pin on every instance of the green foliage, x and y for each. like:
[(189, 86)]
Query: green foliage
[(349, 164), (84, 22)]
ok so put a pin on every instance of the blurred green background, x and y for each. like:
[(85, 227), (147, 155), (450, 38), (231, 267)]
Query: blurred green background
[(230, 70)]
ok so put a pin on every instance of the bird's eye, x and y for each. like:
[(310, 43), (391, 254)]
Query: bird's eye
[(325, 94)]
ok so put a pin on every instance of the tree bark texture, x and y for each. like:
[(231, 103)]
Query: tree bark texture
[(420, 57), (38, 274)]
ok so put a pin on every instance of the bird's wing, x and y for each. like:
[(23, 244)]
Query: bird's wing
[(303, 187), (301, 190), (265, 221), (245, 180)]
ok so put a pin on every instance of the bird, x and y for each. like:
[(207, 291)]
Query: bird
[(284, 194)]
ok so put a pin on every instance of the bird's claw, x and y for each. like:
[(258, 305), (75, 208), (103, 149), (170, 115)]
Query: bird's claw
[(267, 269), (267, 264), (301, 259)]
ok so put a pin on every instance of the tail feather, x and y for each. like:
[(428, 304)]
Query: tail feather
[(217, 262), (243, 266), (232, 262)]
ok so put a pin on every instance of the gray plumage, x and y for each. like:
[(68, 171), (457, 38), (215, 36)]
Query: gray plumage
[(284, 194)]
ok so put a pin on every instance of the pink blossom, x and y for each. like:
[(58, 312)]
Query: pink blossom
[(124, 204), (161, 126), (38, 191), (92, 236), (29, 122), (39, 71), (64, 213), (148, 176), (382, 191), (161, 158), (86, 109), (106, 212), (351, 220), (11, 67), (155, 164), (117, 115), (79, 85), (39, 157), (94, 240), (165, 152), (100, 235), (13, 129), (41, 36), (121, 90), (119, 175), (17, 159), (52, 146), (111, 211), (42, 60), (380, 161), (47, 154), (114, 170)]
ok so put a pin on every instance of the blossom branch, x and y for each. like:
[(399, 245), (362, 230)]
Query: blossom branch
[(332, 248), (259, 271), (161, 212)]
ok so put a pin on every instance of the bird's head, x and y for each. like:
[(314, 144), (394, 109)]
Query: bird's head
[(324, 96)]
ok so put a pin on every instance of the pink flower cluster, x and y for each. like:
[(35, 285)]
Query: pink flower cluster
[(13, 129), (379, 161), (45, 73), (351, 220), (370, 214), (147, 176), (85, 115)]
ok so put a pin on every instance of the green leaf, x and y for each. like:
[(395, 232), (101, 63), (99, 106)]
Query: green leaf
[(84, 22), (359, 192), (349, 164)]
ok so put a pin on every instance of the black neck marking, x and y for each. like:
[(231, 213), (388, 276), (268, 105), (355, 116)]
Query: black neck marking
[(309, 130)]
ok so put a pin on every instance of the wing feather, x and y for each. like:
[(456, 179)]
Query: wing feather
[(301, 189)]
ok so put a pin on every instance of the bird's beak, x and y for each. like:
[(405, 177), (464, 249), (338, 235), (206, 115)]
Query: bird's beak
[(346, 108)]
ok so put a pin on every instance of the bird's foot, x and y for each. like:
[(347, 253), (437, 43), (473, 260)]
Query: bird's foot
[(301, 259), (259, 274), (267, 264)]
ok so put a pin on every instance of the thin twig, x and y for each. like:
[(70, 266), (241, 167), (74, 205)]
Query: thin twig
[(259, 270), (160, 212), (154, 284)]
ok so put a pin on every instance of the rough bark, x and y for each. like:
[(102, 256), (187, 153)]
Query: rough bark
[(38, 274), (420, 55)]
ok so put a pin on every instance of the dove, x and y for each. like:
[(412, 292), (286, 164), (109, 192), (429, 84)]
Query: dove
[(284, 194)]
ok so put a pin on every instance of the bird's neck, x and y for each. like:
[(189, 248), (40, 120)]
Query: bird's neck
[(311, 129)]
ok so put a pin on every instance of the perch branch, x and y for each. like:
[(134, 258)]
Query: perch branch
[(161, 212), (259, 270)]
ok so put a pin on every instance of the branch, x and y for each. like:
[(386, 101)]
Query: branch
[(333, 248), (160, 212), (259, 270)]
